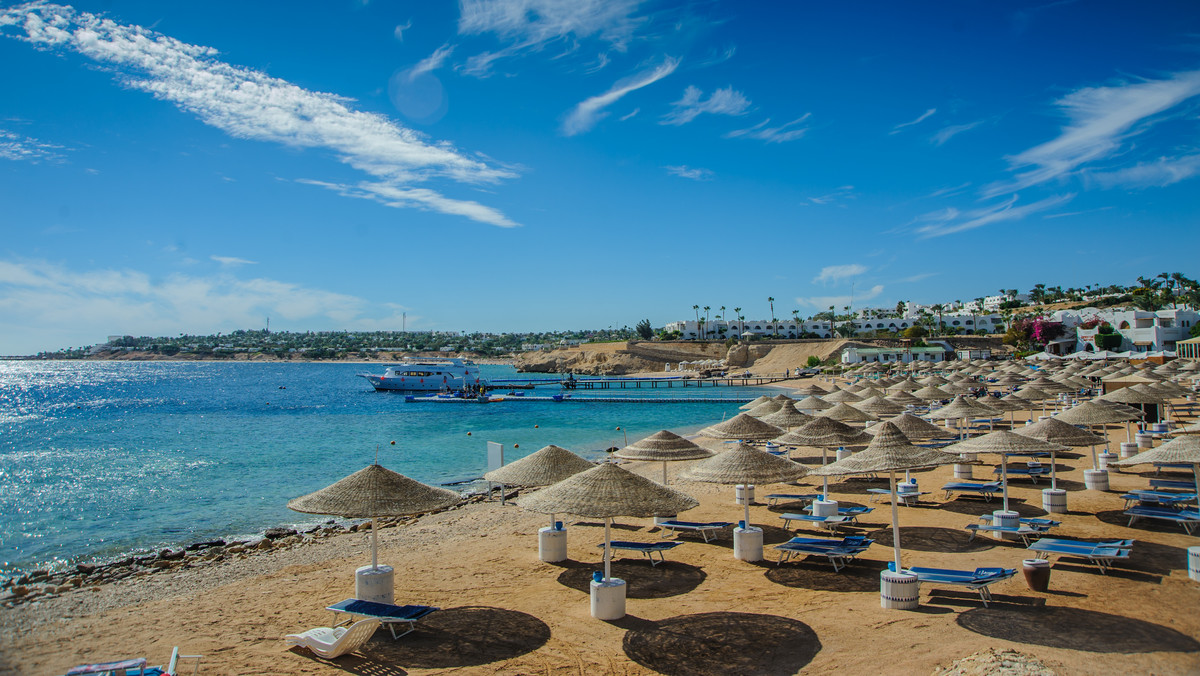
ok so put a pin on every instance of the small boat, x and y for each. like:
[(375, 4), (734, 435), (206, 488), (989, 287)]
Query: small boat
[(428, 375)]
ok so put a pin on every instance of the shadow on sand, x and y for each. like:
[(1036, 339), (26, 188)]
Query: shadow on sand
[(815, 573), (932, 539), (642, 580), (722, 643), (1076, 629)]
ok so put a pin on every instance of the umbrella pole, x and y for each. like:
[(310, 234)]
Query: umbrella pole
[(1004, 477), (747, 515), (1053, 471), (607, 547), (374, 544), (895, 520), (664, 472), (824, 479)]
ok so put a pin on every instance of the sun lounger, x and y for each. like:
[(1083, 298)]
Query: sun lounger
[(1160, 466), (1172, 483), (386, 613), (826, 522), (790, 497), (979, 579), (647, 548), (1163, 498), (1023, 531), (906, 498), (1188, 518), (837, 552), (705, 528), (333, 642), (1101, 553), (136, 667), (1032, 473), (987, 490), (1036, 522), (852, 512)]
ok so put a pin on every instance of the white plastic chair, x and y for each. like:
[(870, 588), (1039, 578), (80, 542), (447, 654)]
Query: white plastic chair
[(331, 642)]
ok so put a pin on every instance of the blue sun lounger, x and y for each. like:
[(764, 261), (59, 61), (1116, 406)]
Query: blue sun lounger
[(1172, 483), (826, 522), (386, 613), (1023, 531), (979, 579), (1161, 498), (790, 497), (1032, 472), (702, 527), (1188, 518), (1160, 466), (1102, 553), (987, 490), (647, 548), (902, 497), (1036, 522), (837, 552), (852, 512)]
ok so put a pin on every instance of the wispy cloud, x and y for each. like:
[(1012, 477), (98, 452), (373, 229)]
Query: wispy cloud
[(921, 118), (1157, 174), (1068, 214), (590, 111), (400, 28), (726, 101), (840, 301), (529, 25), (249, 104), (431, 62), (833, 197), (1099, 121), (230, 261), (946, 133), (917, 277), (834, 273), (716, 57), (25, 148), (693, 173), (633, 112), (402, 197), (780, 134), (949, 221), (72, 307), (949, 190)]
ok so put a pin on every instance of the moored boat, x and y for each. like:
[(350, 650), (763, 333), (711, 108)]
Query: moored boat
[(428, 375)]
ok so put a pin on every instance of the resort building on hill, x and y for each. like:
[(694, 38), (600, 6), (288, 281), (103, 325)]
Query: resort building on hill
[(719, 329), (1140, 330), (893, 355)]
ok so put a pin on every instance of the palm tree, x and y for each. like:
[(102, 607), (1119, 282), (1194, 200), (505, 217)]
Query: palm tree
[(832, 316), (938, 308), (722, 313), (738, 312), (774, 329), (706, 309), (703, 334)]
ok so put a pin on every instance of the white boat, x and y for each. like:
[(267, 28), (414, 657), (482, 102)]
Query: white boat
[(427, 375)]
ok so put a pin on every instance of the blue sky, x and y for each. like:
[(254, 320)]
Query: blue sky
[(517, 165)]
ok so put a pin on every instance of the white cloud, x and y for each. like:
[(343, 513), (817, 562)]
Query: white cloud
[(230, 261), (918, 277), (249, 104), (835, 196), (780, 134), (727, 101), (1157, 174), (695, 174), (1099, 121), (401, 197), (833, 273), (431, 62), (71, 307), (635, 111), (946, 133), (924, 116), (529, 25), (400, 28), (25, 148), (590, 111), (840, 302), (948, 221)]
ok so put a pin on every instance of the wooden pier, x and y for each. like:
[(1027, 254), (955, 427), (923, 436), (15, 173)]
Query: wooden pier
[(619, 383)]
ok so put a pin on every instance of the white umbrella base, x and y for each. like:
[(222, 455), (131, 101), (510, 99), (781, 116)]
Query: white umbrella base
[(744, 494), (1194, 563), (552, 544), (1128, 449), (608, 599), (842, 454), (899, 591), (748, 544), (1003, 518), (1054, 500), (824, 508), (375, 584), (1145, 440), (963, 472), (659, 519), (1095, 479), (1106, 458)]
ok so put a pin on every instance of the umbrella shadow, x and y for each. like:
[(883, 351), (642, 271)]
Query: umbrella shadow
[(615, 526), (816, 574), (723, 643), (1117, 517), (642, 581), (977, 507), (932, 539), (966, 598), (465, 636), (1090, 630)]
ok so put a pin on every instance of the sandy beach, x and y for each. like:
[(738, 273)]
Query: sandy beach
[(703, 612)]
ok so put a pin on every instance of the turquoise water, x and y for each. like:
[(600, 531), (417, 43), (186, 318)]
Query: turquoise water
[(98, 459)]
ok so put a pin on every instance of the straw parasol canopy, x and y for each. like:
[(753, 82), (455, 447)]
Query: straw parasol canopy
[(787, 417), (765, 408), (761, 400), (890, 451), (879, 406), (811, 390), (746, 465), (813, 403), (824, 433), (742, 426), (846, 413), (1184, 449), (1133, 395), (841, 397), (1091, 413), (375, 491), (782, 398), (603, 492), (664, 446), (931, 393), (904, 398), (955, 410), (1004, 442), (1059, 432), (911, 426), (549, 465)]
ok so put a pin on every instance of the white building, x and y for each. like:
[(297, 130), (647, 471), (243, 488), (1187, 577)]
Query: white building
[(893, 355), (1140, 330), (790, 328), (993, 303)]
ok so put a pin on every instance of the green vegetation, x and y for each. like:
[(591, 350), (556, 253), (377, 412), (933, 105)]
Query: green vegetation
[(813, 361)]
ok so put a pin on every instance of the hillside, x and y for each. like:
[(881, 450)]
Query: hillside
[(651, 357)]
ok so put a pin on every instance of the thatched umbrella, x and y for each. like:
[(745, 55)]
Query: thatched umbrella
[(824, 433), (931, 393), (1004, 442), (912, 427), (1059, 432), (846, 413), (879, 406), (547, 466), (761, 400), (841, 397), (782, 398), (904, 398), (787, 417), (1184, 449), (959, 409), (606, 491), (890, 451), (811, 390), (765, 408), (812, 403), (1091, 413), (664, 446), (372, 492), (742, 427), (745, 465)]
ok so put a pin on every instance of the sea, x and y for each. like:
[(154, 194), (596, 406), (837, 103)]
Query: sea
[(100, 460)]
